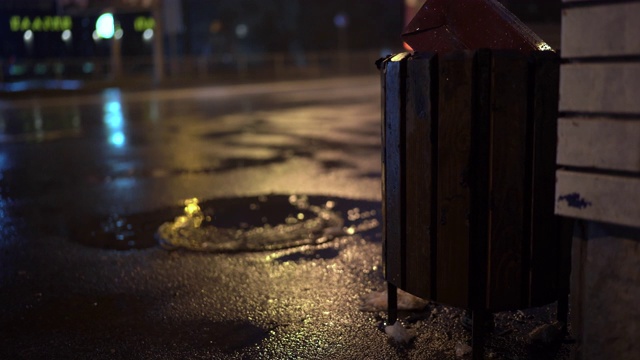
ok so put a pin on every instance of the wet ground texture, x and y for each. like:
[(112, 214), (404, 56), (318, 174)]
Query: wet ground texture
[(237, 222)]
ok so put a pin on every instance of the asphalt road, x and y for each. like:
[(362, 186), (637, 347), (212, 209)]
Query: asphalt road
[(87, 179)]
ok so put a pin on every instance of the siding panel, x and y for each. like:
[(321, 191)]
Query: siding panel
[(604, 30), (600, 88), (605, 198), (599, 143)]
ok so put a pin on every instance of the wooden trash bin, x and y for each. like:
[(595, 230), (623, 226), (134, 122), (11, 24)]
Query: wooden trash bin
[(468, 181)]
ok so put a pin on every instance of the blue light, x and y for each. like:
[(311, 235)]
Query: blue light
[(17, 86), (114, 119), (4, 163), (113, 114), (118, 139), (341, 20), (113, 106)]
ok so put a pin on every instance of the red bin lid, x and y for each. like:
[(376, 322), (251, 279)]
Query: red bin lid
[(445, 25)]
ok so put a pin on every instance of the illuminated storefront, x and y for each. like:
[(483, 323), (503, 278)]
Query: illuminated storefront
[(30, 42)]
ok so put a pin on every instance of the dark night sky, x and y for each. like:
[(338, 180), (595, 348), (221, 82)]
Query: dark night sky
[(273, 25)]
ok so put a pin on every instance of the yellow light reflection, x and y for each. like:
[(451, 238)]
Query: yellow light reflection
[(191, 206), (193, 213), (543, 46)]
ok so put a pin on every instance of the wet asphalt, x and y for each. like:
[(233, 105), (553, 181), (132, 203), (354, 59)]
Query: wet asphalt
[(87, 179)]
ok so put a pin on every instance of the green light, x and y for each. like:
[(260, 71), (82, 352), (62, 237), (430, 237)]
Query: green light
[(17, 70), (88, 67), (105, 26), (142, 23), (25, 24), (36, 25), (40, 69), (15, 23), (67, 23), (56, 23), (19, 23), (46, 23)]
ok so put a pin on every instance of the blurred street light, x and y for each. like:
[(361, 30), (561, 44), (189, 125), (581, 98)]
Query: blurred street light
[(105, 26), (66, 35), (242, 30), (341, 21), (147, 35), (28, 36)]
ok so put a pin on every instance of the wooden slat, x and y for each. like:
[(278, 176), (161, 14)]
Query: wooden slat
[(599, 143), (382, 67), (508, 175), (419, 185), (546, 232), (604, 30), (607, 87), (453, 196), (479, 180), (393, 168), (605, 198)]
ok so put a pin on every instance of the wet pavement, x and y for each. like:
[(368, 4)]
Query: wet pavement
[(238, 222)]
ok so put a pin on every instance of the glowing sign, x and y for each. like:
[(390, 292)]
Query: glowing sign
[(40, 23), (105, 26), (142, 23)]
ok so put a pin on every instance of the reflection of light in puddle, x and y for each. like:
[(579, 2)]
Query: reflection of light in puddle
[(114, 118), (120, 228), (8, 231), (192, 217), (308, 225), (117, 139), (241, 224)]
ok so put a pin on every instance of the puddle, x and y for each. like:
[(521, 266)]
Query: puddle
[(234, 224), (277, 223)]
